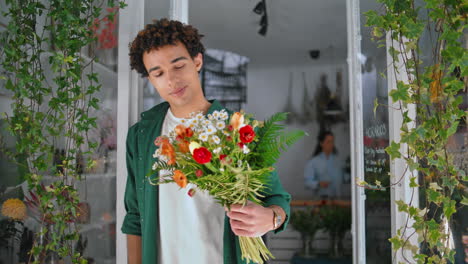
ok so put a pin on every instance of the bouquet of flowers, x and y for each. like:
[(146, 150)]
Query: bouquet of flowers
[(231, 157)]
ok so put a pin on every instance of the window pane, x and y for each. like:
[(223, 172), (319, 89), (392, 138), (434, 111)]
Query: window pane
[(376, 139)]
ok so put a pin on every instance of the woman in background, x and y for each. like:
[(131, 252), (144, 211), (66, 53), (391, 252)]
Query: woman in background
[(323, 173)]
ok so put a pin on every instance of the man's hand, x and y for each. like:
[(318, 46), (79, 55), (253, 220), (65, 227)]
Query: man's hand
[(134, 249), (251, 220)]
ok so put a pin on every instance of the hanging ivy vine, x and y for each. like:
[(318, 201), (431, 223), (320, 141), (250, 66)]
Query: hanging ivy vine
[(435, 84), (53, 90)]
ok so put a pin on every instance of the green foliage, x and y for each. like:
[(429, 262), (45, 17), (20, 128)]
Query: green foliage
[(51, 108), (336, 219), (306, 222), (273, 141), (435, 87)]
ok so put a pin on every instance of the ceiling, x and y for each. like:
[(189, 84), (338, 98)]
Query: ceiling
[(295, 27)]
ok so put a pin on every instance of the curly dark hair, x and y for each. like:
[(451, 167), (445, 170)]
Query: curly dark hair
[(160, 33)]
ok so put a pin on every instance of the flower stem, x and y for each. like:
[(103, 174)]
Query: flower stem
[(253, 249)]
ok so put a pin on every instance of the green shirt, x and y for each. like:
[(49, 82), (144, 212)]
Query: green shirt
[(141, 198)]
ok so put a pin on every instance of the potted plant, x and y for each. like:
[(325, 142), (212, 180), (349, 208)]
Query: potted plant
[(336, 220), (307, 222), (53, 92)]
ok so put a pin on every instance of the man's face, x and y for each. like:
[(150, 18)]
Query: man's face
[(174, 74), (328, 144)]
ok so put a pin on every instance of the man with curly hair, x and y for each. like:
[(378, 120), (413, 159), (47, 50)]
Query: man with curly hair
[(162, 224)]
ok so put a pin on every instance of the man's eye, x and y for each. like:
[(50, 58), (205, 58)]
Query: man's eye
[(179, 66), (158, 74)]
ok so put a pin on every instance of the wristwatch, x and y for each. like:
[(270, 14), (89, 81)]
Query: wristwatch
[(277, 220)]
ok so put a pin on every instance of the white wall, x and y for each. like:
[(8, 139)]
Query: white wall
[(267, 93)]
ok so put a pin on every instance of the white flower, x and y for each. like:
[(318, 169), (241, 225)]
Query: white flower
[(210, 129), (194, 121), (155, 165), (245, 149), (203, 137), (221, 169), (157, 153), (216, 114), (223, 115), (163, 158), (210, 116), (215, 139), (183, 121), (199, 116), (220, 125), (217, 150), (226, 133), (193, 145), (206, 122)]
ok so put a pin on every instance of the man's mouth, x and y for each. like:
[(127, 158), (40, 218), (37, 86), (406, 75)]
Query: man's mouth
[(179, 91)]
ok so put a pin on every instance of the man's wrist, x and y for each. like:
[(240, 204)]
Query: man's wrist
[(278, 216)]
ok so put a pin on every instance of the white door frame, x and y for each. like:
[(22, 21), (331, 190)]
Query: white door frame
[(129, 99), (131, 20), (358, 196), (129, 83)]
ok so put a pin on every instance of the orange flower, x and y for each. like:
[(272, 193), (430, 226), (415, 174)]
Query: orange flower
[(14, 208), (167, 149), (184, 146), (183, 132), (180, 130), (180, 178), (237, 120)]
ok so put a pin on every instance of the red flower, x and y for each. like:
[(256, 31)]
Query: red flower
[(240, 144), (199, 173), (188, 132), (191, 192), (225, 159), (202, 155), (228, 138), (246, 134)]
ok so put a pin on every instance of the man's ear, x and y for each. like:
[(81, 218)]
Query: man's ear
[(198, 61)]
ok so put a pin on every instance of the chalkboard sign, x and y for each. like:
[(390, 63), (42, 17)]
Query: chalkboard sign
[(376, 132)]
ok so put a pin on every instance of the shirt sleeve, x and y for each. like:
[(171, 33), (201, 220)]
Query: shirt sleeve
[(276, 195), (310, 177), (131, 223)]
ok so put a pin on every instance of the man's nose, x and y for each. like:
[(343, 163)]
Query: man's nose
[(172, 79)]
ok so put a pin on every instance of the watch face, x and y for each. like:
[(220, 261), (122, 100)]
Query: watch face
[(278, 220)]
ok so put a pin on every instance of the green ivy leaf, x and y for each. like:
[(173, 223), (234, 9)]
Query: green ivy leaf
[(397, 242), (393, 150), (400, 93), (413, 183), (464, 201), (376, 104), (449, 208)]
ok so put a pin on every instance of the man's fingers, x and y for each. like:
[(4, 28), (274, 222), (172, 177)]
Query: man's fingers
[(239, 216), (240, 232), (246, 209), (240, 225)]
